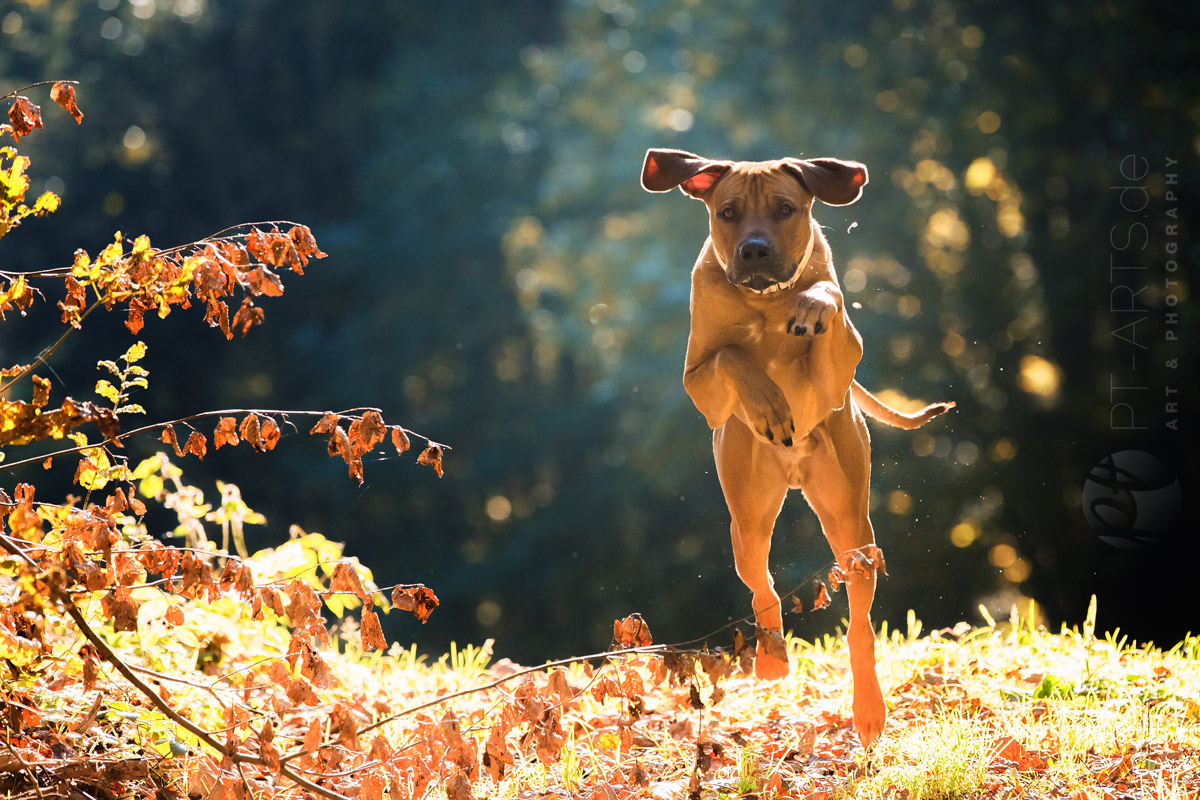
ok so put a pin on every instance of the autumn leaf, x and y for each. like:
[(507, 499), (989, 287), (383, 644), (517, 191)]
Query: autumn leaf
[(420, 600), (431, 456), (63, 93), (225, 432), (632, 631), (366, 432), (24, 116), (169, 437), (264, 282), (325, 424), (251, 433), (121, 608), (345, 579), (400, 440), (371, 633), (822, 597), (876, 556), (247, 316), (772, 642), (174, 616), (196, 444), (836, 577), (305, 244), (269, 433)]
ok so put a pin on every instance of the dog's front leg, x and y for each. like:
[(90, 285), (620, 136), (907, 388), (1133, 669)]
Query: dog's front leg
[(815, 309), (729, 382)]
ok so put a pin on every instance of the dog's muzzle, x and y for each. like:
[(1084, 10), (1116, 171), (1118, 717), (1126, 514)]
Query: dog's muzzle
[(760, 264)]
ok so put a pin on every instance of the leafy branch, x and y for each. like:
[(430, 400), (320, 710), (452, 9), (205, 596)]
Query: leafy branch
[(85, 565)]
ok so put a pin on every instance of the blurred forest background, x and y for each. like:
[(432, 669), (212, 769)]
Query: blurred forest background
[(498, 281)]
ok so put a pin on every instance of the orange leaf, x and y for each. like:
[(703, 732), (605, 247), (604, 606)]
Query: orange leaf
[(168, 436), (64, 94), (121, 609), (225, 433), (196, 444), (247, 316), (264, 282), (326, 424), (431, 456), (372, 634), (876, 556), (269, 432), (174, 616), (24, 116), (1008, 748), (345, 579), (822, 598), (400, 440), (367, 432), (41, 392), (420, 600), (251, 432), (632, 631)]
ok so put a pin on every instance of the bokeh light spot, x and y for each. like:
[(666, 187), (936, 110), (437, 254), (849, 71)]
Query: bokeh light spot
[(1038, 376)]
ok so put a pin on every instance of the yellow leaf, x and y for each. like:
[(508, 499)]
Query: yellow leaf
[(107, 391), (137, 351)]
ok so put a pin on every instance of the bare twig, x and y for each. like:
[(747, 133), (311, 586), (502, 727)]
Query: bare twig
[(46, 353), (17, 92)]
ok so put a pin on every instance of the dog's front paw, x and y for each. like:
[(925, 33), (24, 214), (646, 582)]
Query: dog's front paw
[(769, 414), (815, 309)]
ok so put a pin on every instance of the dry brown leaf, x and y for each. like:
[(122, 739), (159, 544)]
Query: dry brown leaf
[(371, 632), (420, 600), (196, 444), (821, 600), (632, 631), (24, 116), (225, 433), (431, 456), (64, 94), (345, 578)]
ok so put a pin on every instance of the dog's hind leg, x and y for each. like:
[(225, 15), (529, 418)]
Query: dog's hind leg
[(755, 483), (836, 480)]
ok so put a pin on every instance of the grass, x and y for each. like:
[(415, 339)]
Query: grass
[(995, 711), (1004, 710)]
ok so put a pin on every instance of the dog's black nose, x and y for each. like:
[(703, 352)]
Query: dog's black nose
[(755, 249)]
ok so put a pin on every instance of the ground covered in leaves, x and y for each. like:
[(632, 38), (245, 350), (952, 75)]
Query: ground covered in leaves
[(996, 711)]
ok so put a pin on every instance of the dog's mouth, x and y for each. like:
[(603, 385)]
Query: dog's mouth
[(764, 284)]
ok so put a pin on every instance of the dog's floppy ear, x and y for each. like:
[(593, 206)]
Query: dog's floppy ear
[(663, 170), (830, 180)]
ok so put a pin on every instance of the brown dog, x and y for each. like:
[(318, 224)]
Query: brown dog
[(770, 364)]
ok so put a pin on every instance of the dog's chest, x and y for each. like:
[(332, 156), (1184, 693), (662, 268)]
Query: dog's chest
[(781, 355)]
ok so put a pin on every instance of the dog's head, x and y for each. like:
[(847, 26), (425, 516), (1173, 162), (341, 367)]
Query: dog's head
[(760, 212)]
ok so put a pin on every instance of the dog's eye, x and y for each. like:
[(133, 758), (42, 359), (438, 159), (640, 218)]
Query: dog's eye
[(727, 213), (786, 210)]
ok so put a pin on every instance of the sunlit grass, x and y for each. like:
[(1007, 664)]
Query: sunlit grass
[(1007, 709), (942, 758)]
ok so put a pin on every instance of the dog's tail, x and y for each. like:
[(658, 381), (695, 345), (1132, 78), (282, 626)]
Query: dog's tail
[(872, 406)]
